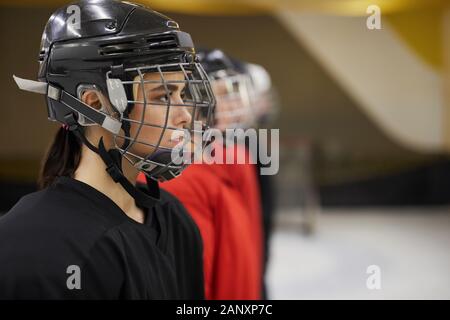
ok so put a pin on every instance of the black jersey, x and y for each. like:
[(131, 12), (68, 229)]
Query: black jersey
[(70, 241)]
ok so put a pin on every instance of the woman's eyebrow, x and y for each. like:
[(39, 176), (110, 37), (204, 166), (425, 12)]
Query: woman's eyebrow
[(171, 87)]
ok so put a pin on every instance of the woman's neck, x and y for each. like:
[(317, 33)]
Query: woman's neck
[(92, 171)]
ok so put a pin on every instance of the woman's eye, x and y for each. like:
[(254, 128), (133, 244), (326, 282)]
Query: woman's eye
[(165, 98)]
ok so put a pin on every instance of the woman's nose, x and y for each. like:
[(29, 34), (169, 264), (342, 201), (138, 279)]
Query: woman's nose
[(180, 114)]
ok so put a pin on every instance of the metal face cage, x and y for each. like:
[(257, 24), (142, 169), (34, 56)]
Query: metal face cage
[(232, 91), (147, 102)]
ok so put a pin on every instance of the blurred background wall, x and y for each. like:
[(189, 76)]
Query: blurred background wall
[(366, 108)]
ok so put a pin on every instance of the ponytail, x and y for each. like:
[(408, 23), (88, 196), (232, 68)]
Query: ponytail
[(62, 158)]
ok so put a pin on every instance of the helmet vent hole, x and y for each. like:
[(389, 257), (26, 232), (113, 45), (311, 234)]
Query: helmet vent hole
[(140, 46)]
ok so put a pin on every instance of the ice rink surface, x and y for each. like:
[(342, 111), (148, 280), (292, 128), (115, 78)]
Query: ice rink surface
[(411, 246)]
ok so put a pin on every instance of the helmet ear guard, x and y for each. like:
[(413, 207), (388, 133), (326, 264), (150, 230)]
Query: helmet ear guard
[(117, 95), (106, 106)]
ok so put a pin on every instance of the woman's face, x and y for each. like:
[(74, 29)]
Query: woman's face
[(155, 113)]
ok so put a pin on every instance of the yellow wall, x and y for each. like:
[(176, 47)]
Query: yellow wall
[(446, 78)]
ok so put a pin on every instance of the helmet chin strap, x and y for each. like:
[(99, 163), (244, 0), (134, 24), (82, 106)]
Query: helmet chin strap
[(113, 162)]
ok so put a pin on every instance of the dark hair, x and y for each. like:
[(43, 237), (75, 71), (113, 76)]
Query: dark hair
[(62, 158)]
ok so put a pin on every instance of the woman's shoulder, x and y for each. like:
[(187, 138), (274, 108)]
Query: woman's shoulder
[(49, 219), (27, 208), (60, 207)]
